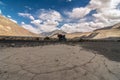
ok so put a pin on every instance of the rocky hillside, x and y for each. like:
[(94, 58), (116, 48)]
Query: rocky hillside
[(110, 32), (9, 28)]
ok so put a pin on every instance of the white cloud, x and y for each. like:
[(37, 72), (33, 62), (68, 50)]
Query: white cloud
[(77, 27), (49, 26), (50, 15), (78, 13), (107, 13), (81, 27), (96, 25), (8, 16), (46, 21), (30, 28), (36, 22), (0, 12), (26, 15), (69, 0), (100, 18), (45, 26)]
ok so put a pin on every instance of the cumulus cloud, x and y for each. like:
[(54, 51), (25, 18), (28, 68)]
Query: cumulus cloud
[(36, 22), (107, 13), (26, 15), (30, 28), (46, 21), (78, 20), (78, 13), (46, 26), (82, 27), (77, 27), (49, 26), (50, 15)]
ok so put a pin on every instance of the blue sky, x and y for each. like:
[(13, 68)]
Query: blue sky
[(68, 15), (13, 7)]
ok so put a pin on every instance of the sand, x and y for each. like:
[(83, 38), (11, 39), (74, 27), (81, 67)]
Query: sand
[(85, 61)]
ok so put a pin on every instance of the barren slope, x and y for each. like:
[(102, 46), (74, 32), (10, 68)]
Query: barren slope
[(74, 35), (107, 32), (9, 28), (114, 31)]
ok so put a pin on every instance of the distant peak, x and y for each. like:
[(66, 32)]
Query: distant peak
[(116, 26)]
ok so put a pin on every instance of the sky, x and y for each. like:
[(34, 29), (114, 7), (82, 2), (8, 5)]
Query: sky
[(71, 16)]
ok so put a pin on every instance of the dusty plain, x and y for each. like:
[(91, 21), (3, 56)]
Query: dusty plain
[(79, 61)]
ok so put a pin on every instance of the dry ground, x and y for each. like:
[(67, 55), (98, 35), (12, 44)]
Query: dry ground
[(83, 61)]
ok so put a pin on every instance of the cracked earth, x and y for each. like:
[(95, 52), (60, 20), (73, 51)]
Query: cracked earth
[(56, 62)]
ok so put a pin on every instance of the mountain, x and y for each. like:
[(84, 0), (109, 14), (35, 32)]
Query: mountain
[(53, 34), (9, 28), (77, 35), (108, 32), (116, 26)]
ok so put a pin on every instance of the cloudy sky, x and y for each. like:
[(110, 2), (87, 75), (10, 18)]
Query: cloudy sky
[(68, 15)]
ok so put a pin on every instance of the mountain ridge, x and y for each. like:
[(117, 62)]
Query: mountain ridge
[(9, 28), (106, 32)]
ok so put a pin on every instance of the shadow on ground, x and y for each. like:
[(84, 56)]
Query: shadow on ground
[(110, 50)]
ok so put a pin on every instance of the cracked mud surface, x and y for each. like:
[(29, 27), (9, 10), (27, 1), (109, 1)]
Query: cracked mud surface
[(56, 62)]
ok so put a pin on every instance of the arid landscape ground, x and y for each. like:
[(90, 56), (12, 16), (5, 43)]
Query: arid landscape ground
[(80, 61)]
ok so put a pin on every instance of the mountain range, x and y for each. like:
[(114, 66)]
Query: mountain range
[(9, 28), (107, 32)]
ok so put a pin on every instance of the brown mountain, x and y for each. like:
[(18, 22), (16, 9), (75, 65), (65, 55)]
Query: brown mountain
[(68, 35), (9, 28), (77, 35), (103, 33), (108, 32)]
